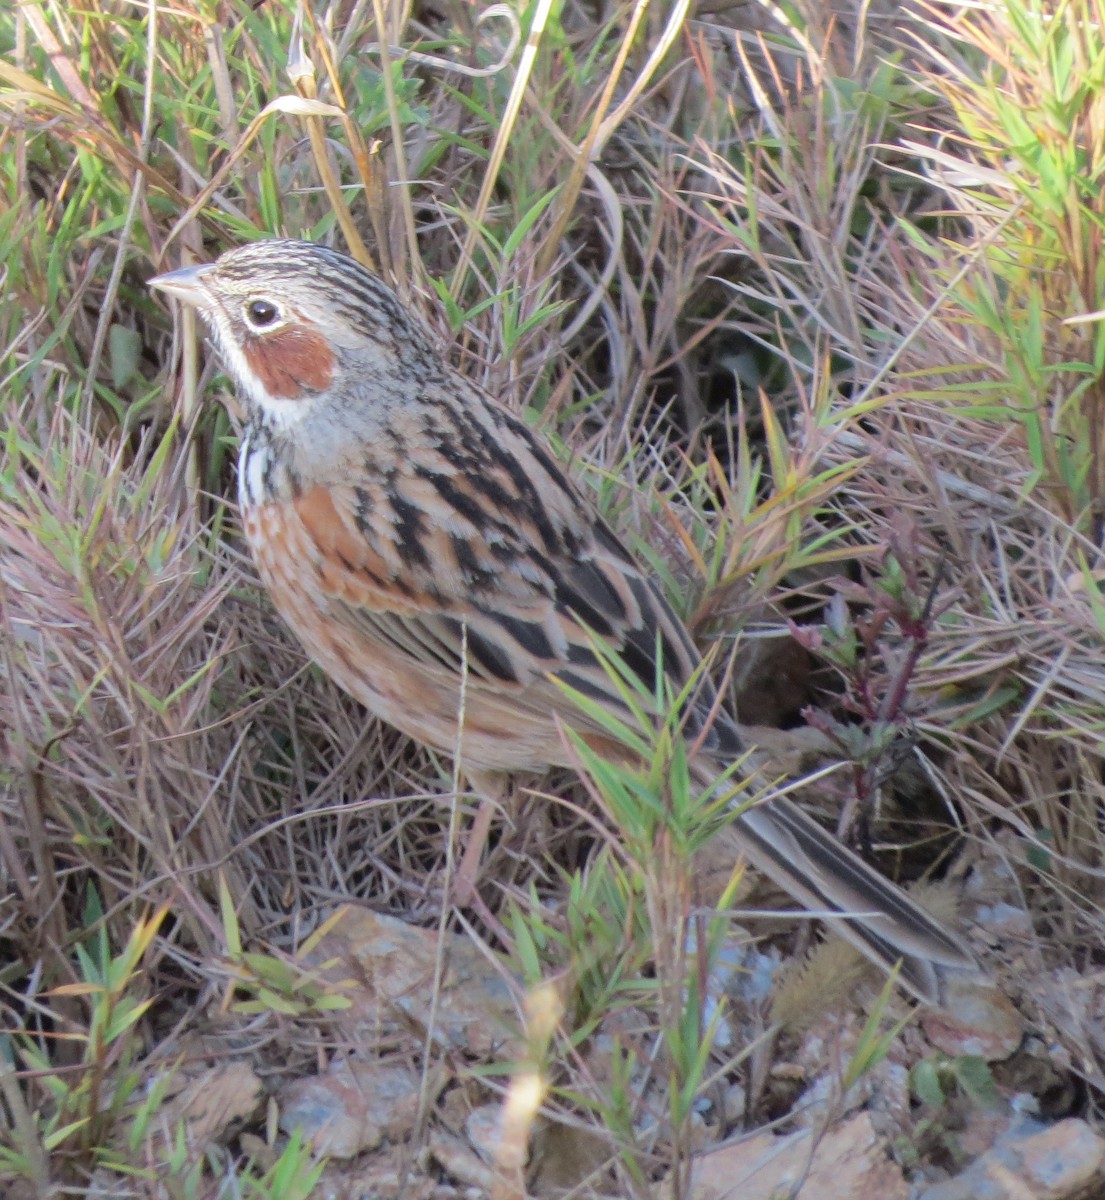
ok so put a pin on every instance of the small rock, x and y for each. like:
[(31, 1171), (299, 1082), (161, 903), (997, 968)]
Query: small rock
[(385, 1175), (978, 1021), (821, 1060), (890, 1094), (255, 1148), (1031, 1162), (212, 1102), (454, 1107), (483, 1128), (458, 1160), (351, 1108), (982, 1129), (849, 1163), (734, 1103), (387, 968), (21, 1189), (1061, 1160), (565, 1157), (1004, 921)]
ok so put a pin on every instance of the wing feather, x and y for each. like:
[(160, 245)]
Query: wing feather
[(509, 561)]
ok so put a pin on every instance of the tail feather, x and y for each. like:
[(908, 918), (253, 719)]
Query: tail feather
[(872, 913)]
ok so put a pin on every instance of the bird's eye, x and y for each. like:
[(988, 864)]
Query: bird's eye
[(262, 313)]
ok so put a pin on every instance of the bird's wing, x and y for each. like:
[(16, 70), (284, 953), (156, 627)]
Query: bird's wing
[(479, 544)]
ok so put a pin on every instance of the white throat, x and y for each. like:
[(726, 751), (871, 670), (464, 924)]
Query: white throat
[(284, 415)]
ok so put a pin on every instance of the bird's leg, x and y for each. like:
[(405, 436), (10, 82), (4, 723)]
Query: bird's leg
[(493, 790)]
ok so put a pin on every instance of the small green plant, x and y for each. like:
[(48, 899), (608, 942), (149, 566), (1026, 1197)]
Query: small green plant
[(103, 1110), (90, 1099), (279, 984), (944, 1084), (632, 935), (294, 1175), (1025, 86), (898, 602), (936, 1081), (895, 599)]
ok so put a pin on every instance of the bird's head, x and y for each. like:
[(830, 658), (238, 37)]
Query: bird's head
[(297, 323)]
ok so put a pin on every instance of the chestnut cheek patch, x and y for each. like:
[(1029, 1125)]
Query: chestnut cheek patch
[(291, 362)]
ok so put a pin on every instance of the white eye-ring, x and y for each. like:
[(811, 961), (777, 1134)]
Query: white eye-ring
[(261, 313)]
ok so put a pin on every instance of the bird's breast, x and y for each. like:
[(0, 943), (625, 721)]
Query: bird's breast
[(420, 699)]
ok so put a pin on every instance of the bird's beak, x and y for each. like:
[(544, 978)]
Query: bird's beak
[(186, 285)]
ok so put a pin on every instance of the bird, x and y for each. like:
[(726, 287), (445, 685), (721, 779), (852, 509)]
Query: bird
[(422, 541)]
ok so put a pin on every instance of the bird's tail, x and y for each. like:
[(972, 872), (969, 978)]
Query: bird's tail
[(872, 913)]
